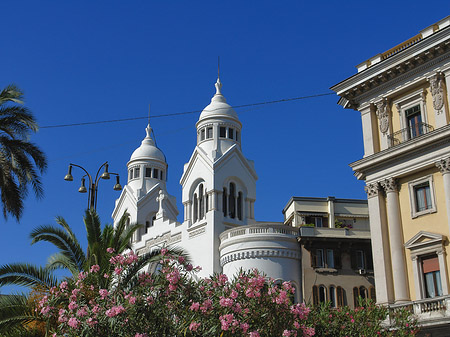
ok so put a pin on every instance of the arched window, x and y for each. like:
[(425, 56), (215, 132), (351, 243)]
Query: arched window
[(333, 296), (315, 294), (195, 215), (201, 202), (224, 202), (137, 171), (322, 294), (206, 202), (232, 201), (357, 293), (341, 301), (239, 206)]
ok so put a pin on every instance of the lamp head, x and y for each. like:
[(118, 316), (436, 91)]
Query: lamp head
[(117, 186), (82, 188), (105, 174), (69, 176)]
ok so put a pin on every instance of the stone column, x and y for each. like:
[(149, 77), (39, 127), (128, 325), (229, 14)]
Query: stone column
[(330, 201), (213, 200), (380, 245), (417, 272), (368, 129), (444, 166), (396, 241), (443, 269)]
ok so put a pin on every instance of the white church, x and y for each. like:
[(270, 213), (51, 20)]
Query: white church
[(219, 230)]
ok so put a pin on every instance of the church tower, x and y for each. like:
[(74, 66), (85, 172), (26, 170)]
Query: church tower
[(218, 182), (140, 198)]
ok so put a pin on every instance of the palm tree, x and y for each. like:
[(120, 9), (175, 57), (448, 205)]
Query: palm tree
[(20, 160), (73, 258)]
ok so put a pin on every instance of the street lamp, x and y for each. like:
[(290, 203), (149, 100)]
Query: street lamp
[(93, 183)]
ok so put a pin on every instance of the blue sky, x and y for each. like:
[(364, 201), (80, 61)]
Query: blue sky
[(86, 61)]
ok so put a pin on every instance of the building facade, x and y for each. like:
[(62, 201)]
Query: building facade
[(336, 257), (403, 98)]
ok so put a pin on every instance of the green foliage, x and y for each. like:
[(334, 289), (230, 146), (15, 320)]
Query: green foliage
[(366, 320), (20, 160)]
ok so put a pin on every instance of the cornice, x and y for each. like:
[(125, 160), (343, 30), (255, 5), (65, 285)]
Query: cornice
[(422, 144), (260, 253)]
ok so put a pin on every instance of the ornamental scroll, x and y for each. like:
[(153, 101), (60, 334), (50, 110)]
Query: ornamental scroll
[(437, 92), (383, 115)]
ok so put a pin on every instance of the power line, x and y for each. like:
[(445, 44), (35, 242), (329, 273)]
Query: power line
[(185, 112)]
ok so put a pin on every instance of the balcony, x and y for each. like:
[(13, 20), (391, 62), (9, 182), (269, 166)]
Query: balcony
[(409, 133), (429, 312)]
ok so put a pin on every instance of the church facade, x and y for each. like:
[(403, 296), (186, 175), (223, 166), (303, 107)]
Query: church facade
[(219, 230)]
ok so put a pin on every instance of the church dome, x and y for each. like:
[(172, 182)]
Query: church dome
[(148, 149), (218, 106)]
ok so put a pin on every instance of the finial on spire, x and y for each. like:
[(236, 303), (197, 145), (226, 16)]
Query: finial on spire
[(148, 113), (218, 68)]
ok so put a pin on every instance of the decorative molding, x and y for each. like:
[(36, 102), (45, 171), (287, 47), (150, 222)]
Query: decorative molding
[(444, 165), (371, 190), (383, 115), (263, 253), (437, 92), (197, 232), (166, 239), (389, 185)]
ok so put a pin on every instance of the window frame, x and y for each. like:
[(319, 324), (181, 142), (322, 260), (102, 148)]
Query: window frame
[(406, 102), (412, 185)]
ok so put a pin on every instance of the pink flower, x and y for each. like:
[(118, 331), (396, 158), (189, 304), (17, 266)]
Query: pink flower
[(103, 293), (73, 322), (181, 259), (244, 327), (45, 310), (164, 251), (226, 302), (105, 275), (234, 294), (195, 306), (91, 322), (194, 326), (73, 305), (117, 270), (254, 334), (63, 286), (82, 312), (114, 311), (189, 267), (95, 268), (132, 300), (110, 250)]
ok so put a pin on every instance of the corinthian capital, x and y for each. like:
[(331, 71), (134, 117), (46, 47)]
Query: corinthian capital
[(389, 185), (444, 165), (371, 190)]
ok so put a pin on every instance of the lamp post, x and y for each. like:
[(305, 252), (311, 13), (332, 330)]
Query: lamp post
[(93, 183)]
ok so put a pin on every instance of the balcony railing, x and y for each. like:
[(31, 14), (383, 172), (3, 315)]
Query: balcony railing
[(427, 310), (408, 133)]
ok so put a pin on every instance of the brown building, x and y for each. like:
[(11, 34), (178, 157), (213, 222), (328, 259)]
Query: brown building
[(336, 259)]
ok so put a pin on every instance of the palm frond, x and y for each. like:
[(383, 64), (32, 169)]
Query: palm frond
[(27, 275)]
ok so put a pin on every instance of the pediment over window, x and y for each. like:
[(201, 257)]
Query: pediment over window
[(425, 240)]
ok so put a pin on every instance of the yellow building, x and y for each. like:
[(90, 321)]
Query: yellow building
[(403, 97)]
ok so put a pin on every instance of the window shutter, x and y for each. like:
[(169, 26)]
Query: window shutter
[(313, 258), (355, 296), (340, 296), (372, 294), (337, 259), (315, 292)]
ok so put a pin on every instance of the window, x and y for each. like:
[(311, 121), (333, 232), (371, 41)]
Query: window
[(431, 276), (199, 203), (130, 174), (414, 121), (155, 173), (428, 264), (341, 300), (137, 172), (195, 215), (422, 196), (358, 295), (360, 260), (202, 134), (148, 172), (209, 132), (317, 221), (222, 132), (237, 136), (232, 201), (149, 223), (230, 133), (333, 296), (319, 294), (325, 258), (330, 258), (161, 175), (239, 206)]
